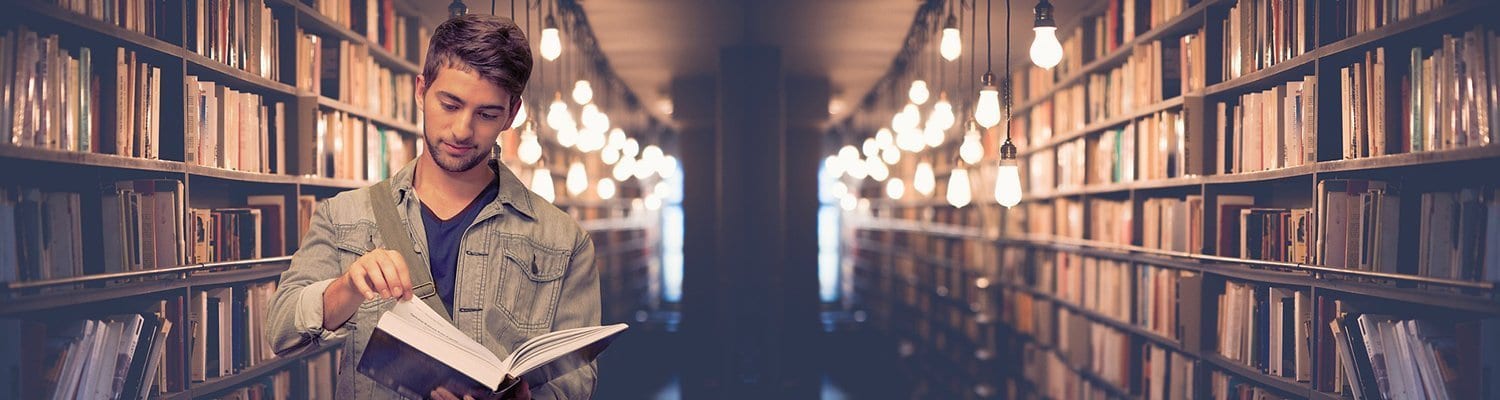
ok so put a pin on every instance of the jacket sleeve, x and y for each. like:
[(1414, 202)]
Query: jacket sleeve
[(296, 312), (579, 307)]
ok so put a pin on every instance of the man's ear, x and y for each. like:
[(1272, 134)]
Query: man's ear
[(421, 91)]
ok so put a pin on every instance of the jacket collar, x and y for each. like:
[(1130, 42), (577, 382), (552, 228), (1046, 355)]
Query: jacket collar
[(512, 192)]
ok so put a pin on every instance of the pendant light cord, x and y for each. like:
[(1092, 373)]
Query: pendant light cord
[(1005, 85)]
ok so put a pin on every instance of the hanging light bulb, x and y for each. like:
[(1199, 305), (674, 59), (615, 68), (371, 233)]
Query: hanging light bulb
[(594, 118), (884, 138), (848, 158), (1046, 51), (942, 113), (606, 188), (567, 135), (869, 148), (650, 162), (895, 188), (557, 113), (909, 139), (933, 136), (520, 116), (833, 166), (891, 154), (668, 167), (578, 179), (662, 190), (848, 202), (971, 150), (876, 169), (609, 156), (856, 168), (624, 169), (616, 139), (531, 149), (541, 183), (583, 93), (918, 92), (987, 112), (909, 119), (924, 182), (1008, 178), (951, 45), (551, 40), (631, 148), (958, 188)]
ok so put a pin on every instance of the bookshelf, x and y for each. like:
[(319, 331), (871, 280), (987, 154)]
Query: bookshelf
[(96, 292), (1022, 257)]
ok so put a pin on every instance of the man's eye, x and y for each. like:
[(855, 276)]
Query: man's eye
[(490, 117), (450, 107)]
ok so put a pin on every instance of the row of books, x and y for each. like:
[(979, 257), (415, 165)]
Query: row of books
[(225, 332), (1169, 223), (1385, 356), (1358, 16), (1276, 234), (1062, 217), (392, 31), (233, 130), (1359, 224), (1450, 97), (1166, 374), (1054, 377), (347, 73), (1111, 230), (1193, 61), (1224, 386), (119, 356), (1095, 347), (1266, 328), (1271, 129), (1169, 303), (1262, 33), (143, 225), (57, 101), (1095, 284), (1460, 235), (40, 235), (140, 16), (50, 95), (347, 147), (239, 33)]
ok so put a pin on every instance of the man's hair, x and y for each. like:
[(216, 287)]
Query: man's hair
[(492, 46)]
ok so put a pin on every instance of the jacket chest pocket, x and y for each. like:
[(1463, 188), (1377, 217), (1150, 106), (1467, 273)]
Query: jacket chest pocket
[(530, 282), (354, 240)]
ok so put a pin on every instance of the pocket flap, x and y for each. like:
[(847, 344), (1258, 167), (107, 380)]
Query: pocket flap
[(537, 265)]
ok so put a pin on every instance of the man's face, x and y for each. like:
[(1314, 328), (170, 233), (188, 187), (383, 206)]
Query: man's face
[(463, 114)]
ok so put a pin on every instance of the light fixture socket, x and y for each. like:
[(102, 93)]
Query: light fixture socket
[(550, 24), (1007, 151), (951, 22), (988, 79), (457, 8), (1044, 15)]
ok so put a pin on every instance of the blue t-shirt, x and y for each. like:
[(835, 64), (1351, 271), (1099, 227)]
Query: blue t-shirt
[(445, 237)]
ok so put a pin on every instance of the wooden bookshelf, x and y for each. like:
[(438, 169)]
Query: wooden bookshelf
[(53, 170), (219, 385)]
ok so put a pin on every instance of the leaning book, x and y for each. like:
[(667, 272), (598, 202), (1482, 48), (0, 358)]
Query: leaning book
[(413, 351)]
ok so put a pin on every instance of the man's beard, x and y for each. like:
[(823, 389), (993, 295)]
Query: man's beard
[(450, 164)]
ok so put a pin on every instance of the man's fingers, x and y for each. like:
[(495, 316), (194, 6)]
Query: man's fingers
[(357, 276), (400, 271), (442, 394), (377, 279)]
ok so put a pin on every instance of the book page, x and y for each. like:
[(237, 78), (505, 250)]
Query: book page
[(415, 323), (545, 349)]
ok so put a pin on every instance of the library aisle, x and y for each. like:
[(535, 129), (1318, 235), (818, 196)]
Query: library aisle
[(839, 199)]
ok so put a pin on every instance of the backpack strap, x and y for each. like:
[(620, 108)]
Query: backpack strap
[(399, 239)]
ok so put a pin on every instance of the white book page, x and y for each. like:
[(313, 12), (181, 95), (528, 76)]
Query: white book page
[(415, 323), (569, 341)]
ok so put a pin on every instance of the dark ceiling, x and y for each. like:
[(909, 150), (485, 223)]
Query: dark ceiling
[(852, 42)]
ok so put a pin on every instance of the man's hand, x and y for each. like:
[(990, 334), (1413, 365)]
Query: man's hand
[(522, 392), (379, 274)]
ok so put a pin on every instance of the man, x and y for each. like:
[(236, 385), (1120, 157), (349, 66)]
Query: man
[(507, 264)]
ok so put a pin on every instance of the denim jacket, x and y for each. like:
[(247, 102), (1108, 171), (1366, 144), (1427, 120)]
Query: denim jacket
[(526, 268)]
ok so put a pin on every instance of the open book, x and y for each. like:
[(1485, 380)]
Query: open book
[(413, 351)]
